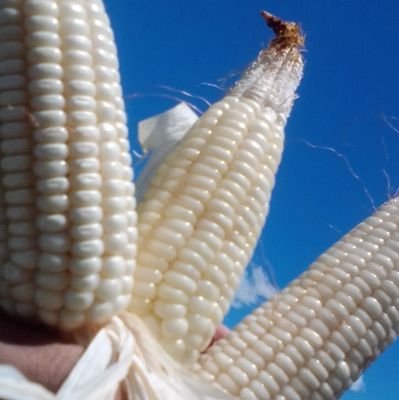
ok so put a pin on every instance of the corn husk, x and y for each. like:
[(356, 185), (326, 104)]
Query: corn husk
[(123, 354)]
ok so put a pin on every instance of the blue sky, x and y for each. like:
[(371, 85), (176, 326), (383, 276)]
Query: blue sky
[(339, 160)]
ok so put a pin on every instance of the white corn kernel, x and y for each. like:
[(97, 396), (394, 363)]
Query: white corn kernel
[(59, 167), (328, 352)]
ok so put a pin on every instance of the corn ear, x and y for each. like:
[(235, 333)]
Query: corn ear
[(206, 205), (67, 211), (68, 236), (315, 338)]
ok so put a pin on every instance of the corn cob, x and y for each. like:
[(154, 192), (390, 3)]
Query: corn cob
[(67, 211), (67, 236), (312, 340), (206, 205)]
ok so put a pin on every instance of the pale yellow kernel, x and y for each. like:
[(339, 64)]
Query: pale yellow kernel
[(200, 305), (180, 281), (86, 232), (51, 222), (149, 275), (108, 289), (121, 302), (194, 341), (51, 262), (54, 242), (308, 378), (228, 383), (146, 290), (71, 319), (100, 312), (84, 283), (87, 248), (175, 328), (49, 300), (85, 266), (171, 294), (167, 311), (127, 284), (78, 300), (175, 347), (115, 242), (86, 215), (115, 222), (113, 266), (140, 306), (52, 281), (208, 290), (201, 324), (372, 307)]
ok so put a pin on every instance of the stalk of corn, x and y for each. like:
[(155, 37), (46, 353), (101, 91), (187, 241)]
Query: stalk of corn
[(206, 205), (67, 211), (315, 338)]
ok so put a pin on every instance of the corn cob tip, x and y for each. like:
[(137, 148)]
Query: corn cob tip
[(288, 34), (272, 79)]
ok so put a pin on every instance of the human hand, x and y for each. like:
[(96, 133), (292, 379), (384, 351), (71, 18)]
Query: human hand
[(41, 354), (44, 355)]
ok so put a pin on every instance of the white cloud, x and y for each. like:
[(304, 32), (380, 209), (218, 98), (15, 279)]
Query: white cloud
[(255, 287), (359, 385)]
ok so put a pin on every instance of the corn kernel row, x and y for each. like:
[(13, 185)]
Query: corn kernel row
[(313, 340), (69, 217)]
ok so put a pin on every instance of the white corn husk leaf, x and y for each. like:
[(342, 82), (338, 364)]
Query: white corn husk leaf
[(169, 126), (159, 135), (14, 386), (123, 353)]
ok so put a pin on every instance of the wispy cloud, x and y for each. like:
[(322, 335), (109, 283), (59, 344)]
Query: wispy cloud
[(255, 287), (359, 385)]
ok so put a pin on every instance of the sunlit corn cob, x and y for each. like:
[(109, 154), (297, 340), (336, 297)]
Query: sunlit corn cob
[(314, 339), (67, 236), (205, 207), (67, 212)]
